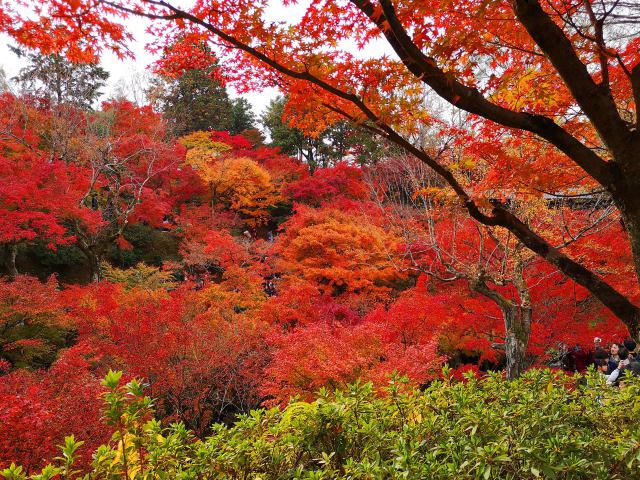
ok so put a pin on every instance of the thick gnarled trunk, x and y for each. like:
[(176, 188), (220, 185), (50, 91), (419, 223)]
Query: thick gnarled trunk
[(93, 259), (94, 267), (627, 199), (516, 316), (517, 320)]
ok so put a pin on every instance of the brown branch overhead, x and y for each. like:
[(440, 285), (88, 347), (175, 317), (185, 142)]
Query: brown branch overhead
[(620, 305), (472, 101), (596, 102), (610, 297)]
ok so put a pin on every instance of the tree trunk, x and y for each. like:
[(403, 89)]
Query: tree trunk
[(517, 322), (11, 252), (630, 213), (95, 268), (94, 264)]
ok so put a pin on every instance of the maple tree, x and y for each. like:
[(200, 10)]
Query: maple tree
[(340, 181), (317, 340), (237, 183), (241, 319), (126, 155), (339, 249), (33, 323), (326, 355), (39, 410), (38, 194), (444, 243)]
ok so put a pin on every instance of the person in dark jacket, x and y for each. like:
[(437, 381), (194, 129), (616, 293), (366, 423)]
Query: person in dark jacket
[(582, 358)]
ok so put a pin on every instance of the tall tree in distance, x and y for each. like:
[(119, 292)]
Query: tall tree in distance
[(192, 101), (61, 81), (242, 118), (195, 99)]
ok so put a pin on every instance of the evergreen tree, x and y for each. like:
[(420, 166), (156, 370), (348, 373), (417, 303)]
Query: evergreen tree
[(193, 101), (242, 116), (196, 100), (61, 81), (290, 140)]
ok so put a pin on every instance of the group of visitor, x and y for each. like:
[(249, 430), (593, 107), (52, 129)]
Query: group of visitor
[(612, 361)]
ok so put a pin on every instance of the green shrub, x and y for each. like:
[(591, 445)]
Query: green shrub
[(543, 425)]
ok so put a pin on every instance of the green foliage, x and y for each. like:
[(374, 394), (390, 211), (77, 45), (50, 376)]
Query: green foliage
[(140, 276), (242, 118), (543, 425), (290, 140), (332, 145), (67, 262), (150, 245), (33, 345)]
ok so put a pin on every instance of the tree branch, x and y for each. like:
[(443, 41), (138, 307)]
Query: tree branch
[(597, 103), (471, 100)]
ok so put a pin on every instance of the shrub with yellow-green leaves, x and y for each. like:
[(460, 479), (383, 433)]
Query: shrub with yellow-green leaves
[(543, 425)]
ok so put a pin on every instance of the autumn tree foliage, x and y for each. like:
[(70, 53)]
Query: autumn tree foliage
[(235, 182), (444, 243), (318, 340), (38, 410), (196, 349), (333, 355), (128, 152), (340, 250), (33, 323), (492, 223), (330, 184), (82, 177)]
